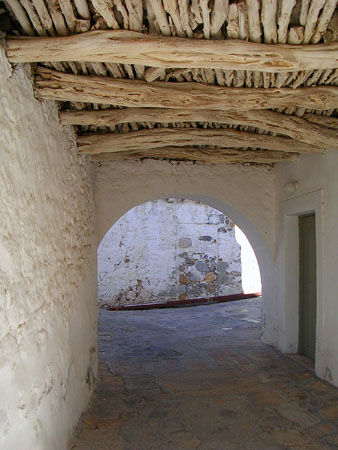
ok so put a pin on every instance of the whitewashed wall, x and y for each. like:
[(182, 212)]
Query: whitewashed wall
[(317, 191), (48, 290), (170, 250)]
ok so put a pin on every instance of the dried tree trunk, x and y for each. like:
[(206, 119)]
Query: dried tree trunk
[(168, 52), (162, 137), (67, 87)]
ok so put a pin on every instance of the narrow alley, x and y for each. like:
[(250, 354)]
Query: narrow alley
[(200, 378)]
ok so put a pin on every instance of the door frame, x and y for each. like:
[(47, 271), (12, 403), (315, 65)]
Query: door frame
[(288, 263)]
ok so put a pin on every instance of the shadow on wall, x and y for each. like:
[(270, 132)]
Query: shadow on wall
[(174, 249)]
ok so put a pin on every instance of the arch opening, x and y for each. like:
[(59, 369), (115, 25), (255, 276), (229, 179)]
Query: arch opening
[(173, 249)]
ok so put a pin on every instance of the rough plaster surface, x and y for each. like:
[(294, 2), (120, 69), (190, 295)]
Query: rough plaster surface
[(317, 176), (244, 194), (48, 290), (169, 250)]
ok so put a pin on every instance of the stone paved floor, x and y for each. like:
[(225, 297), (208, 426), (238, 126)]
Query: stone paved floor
[(199, 378)]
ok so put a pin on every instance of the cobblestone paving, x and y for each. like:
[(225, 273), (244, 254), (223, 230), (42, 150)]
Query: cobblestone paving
[(200, 378)]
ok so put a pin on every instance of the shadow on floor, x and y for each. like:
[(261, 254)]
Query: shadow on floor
[(200, 378)]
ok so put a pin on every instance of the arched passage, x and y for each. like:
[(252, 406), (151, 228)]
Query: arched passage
[(241, 194), (174, 250)]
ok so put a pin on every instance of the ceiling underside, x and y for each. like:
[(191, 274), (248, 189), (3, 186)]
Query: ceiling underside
[(195, 113)]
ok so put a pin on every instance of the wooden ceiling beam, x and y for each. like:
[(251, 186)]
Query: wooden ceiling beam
[(323, 121), (295, 127), (62, 86), (205, 155), (180, 137), (129, 47)]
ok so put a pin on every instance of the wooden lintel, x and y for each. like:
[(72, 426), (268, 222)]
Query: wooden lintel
[(272, 121), (129, 47), (62, 86), (179, 137), (205, 155)]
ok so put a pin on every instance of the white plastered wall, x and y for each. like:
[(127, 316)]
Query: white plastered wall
[(48, 289), (244, 194), (317, 192)]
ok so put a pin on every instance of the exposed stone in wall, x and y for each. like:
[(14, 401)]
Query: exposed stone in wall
[(48, 351), (169, 250)]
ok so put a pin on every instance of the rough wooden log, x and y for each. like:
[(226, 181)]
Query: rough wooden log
[(294, 127), (195, 12), (58, 19), (171, 7), (205, 155), (161, 17), (218, 17), (44, 16), (268, 17), (176, 74), (68, 12), (243, 21), (324, 121), (331, 33), (153, 26), (135, 10), (162, 137), (304, 12), (184, 15), (254, 20), (34, 18), (123, 13), (233, 30), (152, 73), (82, 8), (105, 9), (123, 46), (313, 13), (20, 14), (296, 35), (61, 86), (204, 7), (82, 25), (324, 20), (284, 19)]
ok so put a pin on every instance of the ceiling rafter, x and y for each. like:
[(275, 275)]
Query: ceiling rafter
[(206, 155), (128, 47), (61, 86), (294, 127), (219, 66), (162, 137)]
